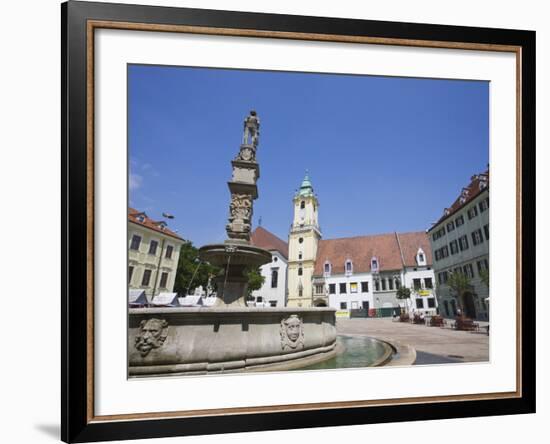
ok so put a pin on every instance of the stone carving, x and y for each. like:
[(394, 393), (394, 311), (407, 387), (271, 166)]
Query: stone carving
[(152, 335), (292, 333), (251, 129), (247, 153), (240, 216)]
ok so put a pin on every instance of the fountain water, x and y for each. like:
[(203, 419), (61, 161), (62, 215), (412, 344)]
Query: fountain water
[(230, 336)]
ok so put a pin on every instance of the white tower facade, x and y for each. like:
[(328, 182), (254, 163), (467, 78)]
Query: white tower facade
[(302, 246)]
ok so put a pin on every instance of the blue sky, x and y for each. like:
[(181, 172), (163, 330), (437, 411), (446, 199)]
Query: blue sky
[(384, 153)]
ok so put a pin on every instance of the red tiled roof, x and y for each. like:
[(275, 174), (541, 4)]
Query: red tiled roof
[(361, 249), (267, 240), (410, 243), (150, 223), (468, 194)]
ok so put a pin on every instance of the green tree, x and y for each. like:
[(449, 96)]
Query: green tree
[(484, 276), (255, 279), (403, 293), (459, 284), (191, 271)]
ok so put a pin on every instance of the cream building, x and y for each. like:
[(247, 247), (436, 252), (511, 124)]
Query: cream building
[(302, 246), (153, 253)]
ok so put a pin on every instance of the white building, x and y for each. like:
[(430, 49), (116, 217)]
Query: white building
[(460, 244), (355, 273), (273, 291), (364, 272)]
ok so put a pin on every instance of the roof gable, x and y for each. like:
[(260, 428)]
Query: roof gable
[(265, 239)]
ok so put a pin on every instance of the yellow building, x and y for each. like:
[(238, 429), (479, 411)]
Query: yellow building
[(153, 253), (302, 246)]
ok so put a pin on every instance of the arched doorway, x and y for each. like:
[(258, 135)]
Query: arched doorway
[(320, 303), (469, 305)]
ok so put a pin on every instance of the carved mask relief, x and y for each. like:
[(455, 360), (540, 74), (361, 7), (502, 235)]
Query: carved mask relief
[(152, 335), (292, 333)]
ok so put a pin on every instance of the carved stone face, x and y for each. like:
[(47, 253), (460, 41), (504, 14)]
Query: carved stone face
[(152, 335), (293, 329), (292, 333)]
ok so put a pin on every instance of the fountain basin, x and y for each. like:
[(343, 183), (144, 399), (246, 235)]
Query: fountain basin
[(202, 340), (237, 254)]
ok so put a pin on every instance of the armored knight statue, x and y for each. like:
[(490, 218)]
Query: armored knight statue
[(251, 129)]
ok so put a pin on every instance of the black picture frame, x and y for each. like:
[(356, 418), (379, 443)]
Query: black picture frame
[(77, 424)]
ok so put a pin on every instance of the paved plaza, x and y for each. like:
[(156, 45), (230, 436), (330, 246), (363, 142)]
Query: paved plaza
[(434, 345)]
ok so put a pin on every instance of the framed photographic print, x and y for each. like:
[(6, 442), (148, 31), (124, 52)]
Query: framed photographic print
[(277, 221)]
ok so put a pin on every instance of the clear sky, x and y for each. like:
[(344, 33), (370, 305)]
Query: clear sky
[(384, 153)]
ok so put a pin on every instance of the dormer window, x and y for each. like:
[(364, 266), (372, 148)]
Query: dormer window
[(162, 225), (349, 267), (327, 268), (374, 264), (420, 257), (140, 218)]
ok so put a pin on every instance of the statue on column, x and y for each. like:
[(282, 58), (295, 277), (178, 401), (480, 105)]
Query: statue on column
[(251, 129)]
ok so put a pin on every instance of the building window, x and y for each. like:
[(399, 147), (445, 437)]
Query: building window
[(417, 285), (459, 221), (146, 278), (163, 280), (130, 273), (484, 205), (353, 287), (383, 280), (428, 283), (376, 285), (468, 270), (153, 247), (319, 288), (300, 271), (300, 292), (274, 277), (463, 243), (450, 226), (364, 287), (454, 246), (327, 268), (486, 230), (472, 212), (477, 238), (302, 205), (446, 303), (343, 306), (439, 233), (136, 241), (374, 264), (482, 265), (349, 267), (390, 284), (332, 288), (419, 303), (431, 302), (343, 288), (169, 251), (300, 255), (272, 303), (301, 240), (442, 277)]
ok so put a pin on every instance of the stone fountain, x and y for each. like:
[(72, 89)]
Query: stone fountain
[(229, 336)]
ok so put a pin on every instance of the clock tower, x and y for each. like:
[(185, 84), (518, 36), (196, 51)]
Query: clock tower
[(302, 246)]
